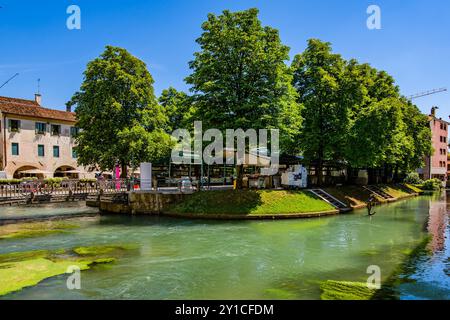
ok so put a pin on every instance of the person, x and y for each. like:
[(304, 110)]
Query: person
[(370, 204)]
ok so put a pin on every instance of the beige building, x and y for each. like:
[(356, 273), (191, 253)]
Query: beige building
[(36, 141)]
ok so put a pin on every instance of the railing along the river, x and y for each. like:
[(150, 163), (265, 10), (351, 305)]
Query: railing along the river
[(64, 188)]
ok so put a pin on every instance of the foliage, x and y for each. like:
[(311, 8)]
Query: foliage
[(432, 185), (116, 111), (378, 135), (413, 178), (179, 109), (240, 79), (354, 115), (319, 78)]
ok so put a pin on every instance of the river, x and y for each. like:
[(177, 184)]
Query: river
[(180, 259)]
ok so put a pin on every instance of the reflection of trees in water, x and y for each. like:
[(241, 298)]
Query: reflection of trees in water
[(438, 222)]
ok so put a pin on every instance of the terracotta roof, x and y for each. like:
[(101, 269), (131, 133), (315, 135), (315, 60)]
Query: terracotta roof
[(31, 108)]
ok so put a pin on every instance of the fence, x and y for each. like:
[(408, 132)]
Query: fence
[(65, 188)]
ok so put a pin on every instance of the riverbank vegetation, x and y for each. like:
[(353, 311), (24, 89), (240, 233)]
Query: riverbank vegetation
[(357, 196), (250, 202), (241, 78)]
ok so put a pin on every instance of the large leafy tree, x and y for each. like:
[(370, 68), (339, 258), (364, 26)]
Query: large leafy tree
[(240, 78), (377, 89), (320, 80), (178, 107), (118, 114), (378, 136)]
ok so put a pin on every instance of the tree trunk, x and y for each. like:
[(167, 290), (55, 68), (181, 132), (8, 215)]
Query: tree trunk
[(396, 177), (239, 177), (385, 173), (319, 168), (123, 171)]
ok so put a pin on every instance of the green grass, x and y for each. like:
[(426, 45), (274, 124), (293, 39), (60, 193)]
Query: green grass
[(395, 191), (250, 202), (414, 188)]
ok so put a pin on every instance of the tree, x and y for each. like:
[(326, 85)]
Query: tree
[(378, 137), (319, 77), (117, 112), (419, 132), (178, 108), (377, 88), (240, 78)]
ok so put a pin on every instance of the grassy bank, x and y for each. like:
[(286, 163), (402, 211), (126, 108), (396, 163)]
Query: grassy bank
[(251, 203), (357, 196)]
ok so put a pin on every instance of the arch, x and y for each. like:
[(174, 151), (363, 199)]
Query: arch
[(66, 171), (28, 172)]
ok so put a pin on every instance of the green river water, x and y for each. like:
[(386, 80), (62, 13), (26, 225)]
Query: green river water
[(179, 259)]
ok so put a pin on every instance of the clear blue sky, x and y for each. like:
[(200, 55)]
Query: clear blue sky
[(413, 44)]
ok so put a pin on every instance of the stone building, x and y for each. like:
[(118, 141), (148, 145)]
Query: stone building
[(36, 141)]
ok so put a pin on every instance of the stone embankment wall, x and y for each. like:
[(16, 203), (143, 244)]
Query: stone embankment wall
[(144, 203)]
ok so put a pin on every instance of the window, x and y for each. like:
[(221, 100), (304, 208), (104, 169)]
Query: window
[(56, 151), (41, 150), (15, 149), (41, 128), (14, 125), (74, 131), (56, 130), (74, 153)]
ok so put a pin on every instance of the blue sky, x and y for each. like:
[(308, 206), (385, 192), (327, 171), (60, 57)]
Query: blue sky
[(413, 44)]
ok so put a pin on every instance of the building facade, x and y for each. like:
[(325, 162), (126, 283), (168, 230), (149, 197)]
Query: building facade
[(37, 142), (436, 166)]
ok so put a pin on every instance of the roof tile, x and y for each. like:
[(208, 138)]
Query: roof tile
[(31, 108)]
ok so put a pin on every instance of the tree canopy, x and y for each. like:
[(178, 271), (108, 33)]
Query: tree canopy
[(355, 115), (118, 114), (240, 78)]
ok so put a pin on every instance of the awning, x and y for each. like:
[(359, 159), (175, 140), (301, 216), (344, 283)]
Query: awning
[(35, 171), (69, 171)]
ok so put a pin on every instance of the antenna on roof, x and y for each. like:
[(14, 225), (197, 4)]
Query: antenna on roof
[(39, 86), (9, 80)]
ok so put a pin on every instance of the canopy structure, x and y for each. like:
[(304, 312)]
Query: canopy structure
[(35, 171), (70, 171)]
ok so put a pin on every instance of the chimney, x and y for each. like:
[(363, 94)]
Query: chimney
[(38, 98), (68, 107), (433, 111)]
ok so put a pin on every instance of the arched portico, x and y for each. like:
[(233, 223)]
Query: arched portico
[(66, 171)]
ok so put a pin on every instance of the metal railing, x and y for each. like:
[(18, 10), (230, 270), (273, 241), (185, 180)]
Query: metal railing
[(64, 188)]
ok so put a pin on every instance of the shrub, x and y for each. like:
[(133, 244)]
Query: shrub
[(10, 181), (413, 178), (432, 184)]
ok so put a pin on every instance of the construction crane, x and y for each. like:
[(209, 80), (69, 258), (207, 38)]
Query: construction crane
[(426, 93), (9, 80)]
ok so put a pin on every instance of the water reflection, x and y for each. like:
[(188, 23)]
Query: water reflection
[(438, 222), (431, 275)]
